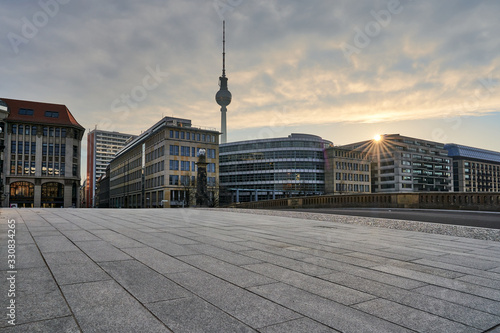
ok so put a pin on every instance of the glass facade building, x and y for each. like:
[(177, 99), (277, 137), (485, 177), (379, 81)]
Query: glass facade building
[(273, 168)]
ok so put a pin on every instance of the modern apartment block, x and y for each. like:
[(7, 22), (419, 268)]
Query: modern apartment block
[(273, 168), (405, 164), (158, 168), (474, 169), (347, 171), (102, 146), (41, 160)]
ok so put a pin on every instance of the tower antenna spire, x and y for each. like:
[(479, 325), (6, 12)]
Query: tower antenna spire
[(224, 48), (223, 96)]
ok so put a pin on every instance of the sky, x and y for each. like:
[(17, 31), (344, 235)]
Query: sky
[(343, 70)]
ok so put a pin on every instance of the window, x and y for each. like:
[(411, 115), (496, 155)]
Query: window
[(58, 132), (26, 112), (174, 150), (185, 151), (171, 134), (183, 135), (184, 165), (193, 152), (176, 134), (19, 147), (14, 129), (26, 147), (63, 132), (174, 165), (188, 136), (33, 130), (173, 180), (13, 147), (52, 114)]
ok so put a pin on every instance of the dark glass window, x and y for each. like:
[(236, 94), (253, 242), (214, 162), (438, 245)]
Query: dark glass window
[(14, 129), (26, 112), (13, 147), (52, 114), (33, 130)]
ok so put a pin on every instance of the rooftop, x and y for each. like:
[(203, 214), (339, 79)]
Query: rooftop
[(39, 112), (455, 150)]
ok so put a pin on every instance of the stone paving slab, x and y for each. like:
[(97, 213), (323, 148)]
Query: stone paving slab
[(198, 270)]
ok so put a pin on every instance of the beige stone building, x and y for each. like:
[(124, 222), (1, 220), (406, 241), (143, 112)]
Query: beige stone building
[(158, 168), (347, 171)]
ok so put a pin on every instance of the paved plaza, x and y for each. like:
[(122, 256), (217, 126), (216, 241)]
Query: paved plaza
[(195, 270)]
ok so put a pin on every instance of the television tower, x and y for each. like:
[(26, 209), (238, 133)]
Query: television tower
[(223, 96)]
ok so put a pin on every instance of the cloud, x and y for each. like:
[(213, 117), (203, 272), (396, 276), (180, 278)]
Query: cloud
[(284, 60)]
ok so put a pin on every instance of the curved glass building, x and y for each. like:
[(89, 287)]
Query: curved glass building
[(272, 168)]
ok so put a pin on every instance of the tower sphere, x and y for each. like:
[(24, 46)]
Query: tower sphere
[(223, 97)]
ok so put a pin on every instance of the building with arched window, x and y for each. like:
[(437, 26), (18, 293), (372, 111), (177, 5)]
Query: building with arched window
[(41, 157)]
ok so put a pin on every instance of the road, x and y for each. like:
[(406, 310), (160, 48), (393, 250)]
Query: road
[(467, 218)]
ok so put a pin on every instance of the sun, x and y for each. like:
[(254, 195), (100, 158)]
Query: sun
[(377, 137)]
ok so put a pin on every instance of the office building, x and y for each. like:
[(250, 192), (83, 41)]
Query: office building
[(102, 147), (273, 168), (158, 168), (41, 161), (474, 169), (347, 171), (405, 164)]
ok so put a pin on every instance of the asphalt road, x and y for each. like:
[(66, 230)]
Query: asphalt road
[(467, 218)]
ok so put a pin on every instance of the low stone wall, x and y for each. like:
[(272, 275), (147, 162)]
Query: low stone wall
[(426, 200)]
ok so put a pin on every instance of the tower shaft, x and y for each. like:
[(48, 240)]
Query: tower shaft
[(223, 127)]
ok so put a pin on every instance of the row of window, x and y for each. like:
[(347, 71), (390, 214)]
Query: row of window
[(270, 155), (185, 166), (352, 166), (269, 177), (155, 181), (27, 147), (156, 167), (352, 177), (288, 165), (191, 136), (32, 130), (158, 152), (352, 188), (272, 145), (48, 168), (31, 112)]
